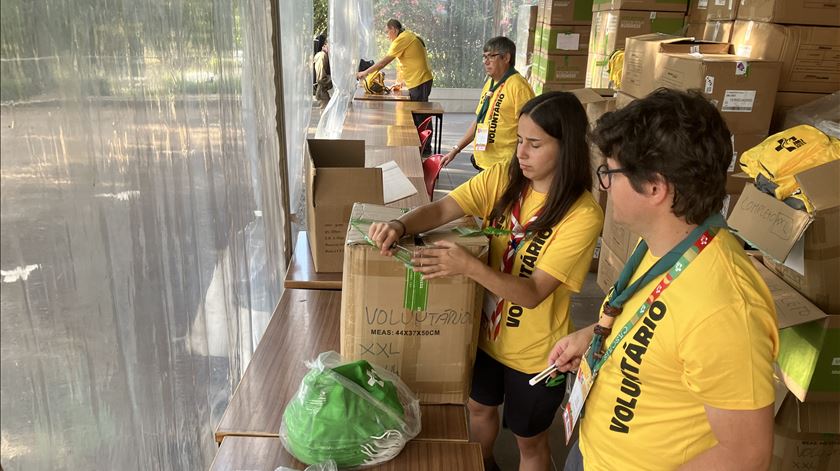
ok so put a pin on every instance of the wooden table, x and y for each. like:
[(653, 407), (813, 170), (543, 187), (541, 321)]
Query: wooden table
[(426, 108), (406, 157), (401, 95), (306, 323), (266, 454), (385, 135), (301, 273)]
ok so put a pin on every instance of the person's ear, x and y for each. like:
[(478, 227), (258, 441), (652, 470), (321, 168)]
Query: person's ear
[(659, 190)]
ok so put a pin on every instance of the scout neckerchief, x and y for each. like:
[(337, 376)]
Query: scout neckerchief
[(485, 104), (672, 265), (517, 234)]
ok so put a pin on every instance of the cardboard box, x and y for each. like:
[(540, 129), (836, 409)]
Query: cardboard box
[(643, 53), (742, 90), (791, 307), (336, 178), (810, 55), (618, 237), (808, 356), (725, 10), (718, 31), (795, 12), (622, 99), (609, 266), (698, 10), (808, 244), (541, 87), (565, 39), (426, 332), (742, 143), (557, 68), (567, 12), (695, 30), (806, 436), (596, 101), (611, 28), (786, 101), (679, 6), (598, 72)]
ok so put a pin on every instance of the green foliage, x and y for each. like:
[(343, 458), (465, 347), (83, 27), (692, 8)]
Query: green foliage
[(321, 20), (454, 32)]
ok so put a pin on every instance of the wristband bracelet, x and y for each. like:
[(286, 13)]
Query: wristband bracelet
[(402, 224)]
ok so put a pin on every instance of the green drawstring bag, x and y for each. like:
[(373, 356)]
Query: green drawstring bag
[(355, 414)]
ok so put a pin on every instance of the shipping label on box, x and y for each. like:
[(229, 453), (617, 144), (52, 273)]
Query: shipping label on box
[(795, 12), (743, 90), (725, 10), (336, 178), (565, 39), (424, 331)]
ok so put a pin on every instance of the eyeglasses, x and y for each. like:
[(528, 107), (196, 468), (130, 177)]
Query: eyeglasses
[(489, 57), (605, 175)]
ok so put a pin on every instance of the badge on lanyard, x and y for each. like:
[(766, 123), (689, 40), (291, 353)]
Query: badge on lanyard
[(580, 391), (482, 133)]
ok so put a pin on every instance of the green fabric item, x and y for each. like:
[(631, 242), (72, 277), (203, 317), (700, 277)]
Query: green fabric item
[(347, 414)]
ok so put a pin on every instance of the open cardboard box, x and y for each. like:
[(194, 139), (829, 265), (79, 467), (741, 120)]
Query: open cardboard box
[(336, 178), (807, 244)]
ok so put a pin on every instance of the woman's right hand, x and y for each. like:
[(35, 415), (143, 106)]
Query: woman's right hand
[(449, 157), (569, 350), (385, 234)]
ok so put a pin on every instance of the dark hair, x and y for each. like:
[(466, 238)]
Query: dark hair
[(561, 116), (320, 40), (502, 45), (678, 135), (393, 23)]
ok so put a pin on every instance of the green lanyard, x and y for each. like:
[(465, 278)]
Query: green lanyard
[(485, 104), (674, 263)]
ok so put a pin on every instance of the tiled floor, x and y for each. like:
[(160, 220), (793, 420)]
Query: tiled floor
[(584, 305)]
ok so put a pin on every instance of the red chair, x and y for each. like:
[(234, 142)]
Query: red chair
[(431, 172), (424, 126), (425, 136)]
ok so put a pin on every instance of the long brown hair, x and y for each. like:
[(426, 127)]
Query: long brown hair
[(561, 116)]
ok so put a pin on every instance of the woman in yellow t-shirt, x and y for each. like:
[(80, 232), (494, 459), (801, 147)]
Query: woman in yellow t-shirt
[(547, 224)]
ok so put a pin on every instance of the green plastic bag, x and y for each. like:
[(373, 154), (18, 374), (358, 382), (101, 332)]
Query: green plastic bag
[(353, 413)]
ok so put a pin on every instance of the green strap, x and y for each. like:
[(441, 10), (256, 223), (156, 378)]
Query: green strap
[(485, 104), (621, 292)]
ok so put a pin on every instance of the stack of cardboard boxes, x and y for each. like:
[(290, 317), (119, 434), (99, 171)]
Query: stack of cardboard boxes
[(526, 25), (615, 20), (803, 35), (561, 45)]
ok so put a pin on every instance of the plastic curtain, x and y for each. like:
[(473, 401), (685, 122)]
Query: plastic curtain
[(350, 27), (142, 229), (297, 53)]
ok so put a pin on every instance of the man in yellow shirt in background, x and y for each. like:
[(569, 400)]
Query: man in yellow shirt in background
[(493, 132), (681, 360), (410, 51)]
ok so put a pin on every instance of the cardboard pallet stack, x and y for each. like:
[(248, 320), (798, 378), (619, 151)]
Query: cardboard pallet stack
[(526, 25), (803, 35), (615, 20), (561, 45)]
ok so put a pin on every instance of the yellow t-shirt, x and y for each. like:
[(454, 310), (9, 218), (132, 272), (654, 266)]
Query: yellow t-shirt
[(502, 118), (712, 340), (564, 252), (413, 62)]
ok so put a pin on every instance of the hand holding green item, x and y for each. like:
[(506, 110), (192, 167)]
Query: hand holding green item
[(353, 413)]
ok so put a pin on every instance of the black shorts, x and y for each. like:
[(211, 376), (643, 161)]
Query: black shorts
[(529, 410)]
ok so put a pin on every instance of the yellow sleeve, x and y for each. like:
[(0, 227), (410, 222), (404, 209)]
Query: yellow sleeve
[(399, 45), (728, 358), (479, 194), (569, 251), (522, 95)]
